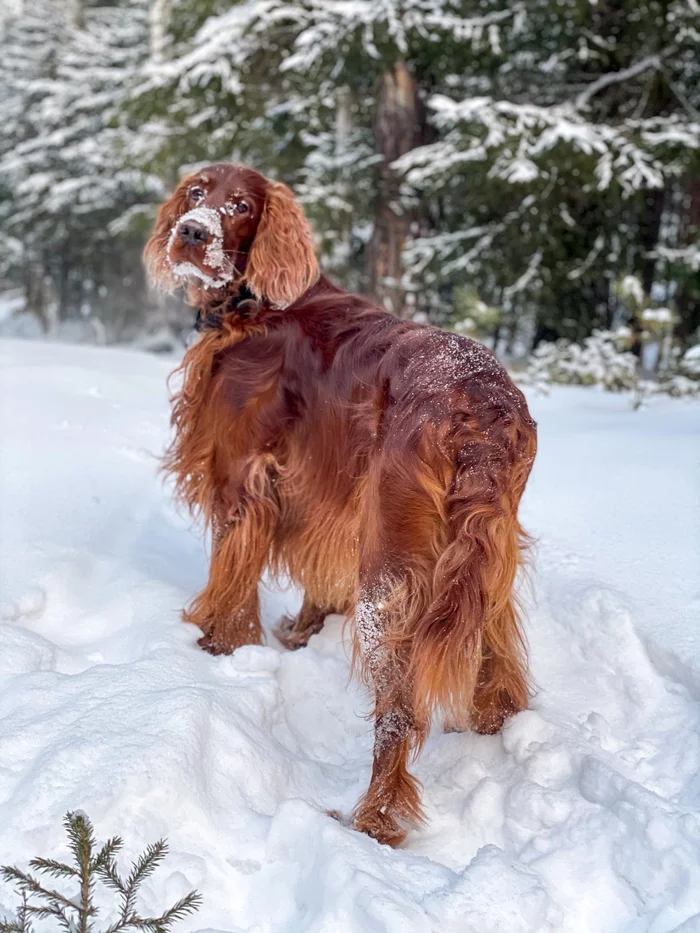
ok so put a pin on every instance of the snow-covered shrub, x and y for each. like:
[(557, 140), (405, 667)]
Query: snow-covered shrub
[(599, 361), (680, 386), (690, 363), (681, 380), (24, 324), (602, 360)]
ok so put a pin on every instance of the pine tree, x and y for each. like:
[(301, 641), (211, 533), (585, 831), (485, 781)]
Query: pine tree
[(77, 912), (560, 175), (525, 154), (333, 94), (525, 150), (69, 163), (30, 45)]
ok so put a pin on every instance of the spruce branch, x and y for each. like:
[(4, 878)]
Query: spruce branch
[(53, 910), (186, 905), (107, 852), (22, 924), (81, 837), (105, 866), (143, 867), (81, 840), (51, 867), (29, 885), (162, 924), (76, 915), (146, 864), (109, 873)]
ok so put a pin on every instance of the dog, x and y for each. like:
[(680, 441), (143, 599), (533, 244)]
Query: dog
[(376, 462)]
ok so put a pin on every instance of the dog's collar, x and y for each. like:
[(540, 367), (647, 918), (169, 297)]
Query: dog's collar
[(241, 304)]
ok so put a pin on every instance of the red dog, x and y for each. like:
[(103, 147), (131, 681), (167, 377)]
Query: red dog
[(377, 462)]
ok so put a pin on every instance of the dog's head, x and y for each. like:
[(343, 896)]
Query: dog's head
[(227, 225)]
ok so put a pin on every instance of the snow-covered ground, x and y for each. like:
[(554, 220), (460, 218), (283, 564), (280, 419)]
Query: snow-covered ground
[(583, 816)]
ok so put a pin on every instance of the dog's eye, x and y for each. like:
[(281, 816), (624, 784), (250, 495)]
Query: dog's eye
[(235, 207), (196, 194)]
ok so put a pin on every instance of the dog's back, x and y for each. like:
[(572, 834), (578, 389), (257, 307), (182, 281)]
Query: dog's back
[(394, 456), (377, 462)]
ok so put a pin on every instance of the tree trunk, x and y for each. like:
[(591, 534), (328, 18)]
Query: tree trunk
[(649, 228), (688, 297), (397, 130), (76, 13), (159, 25), (36, 292), (343, 131)]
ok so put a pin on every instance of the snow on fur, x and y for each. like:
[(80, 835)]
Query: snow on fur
[(214, 254), (582, 816)]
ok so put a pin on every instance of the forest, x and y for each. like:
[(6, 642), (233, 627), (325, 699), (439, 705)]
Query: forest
[(525, 171)]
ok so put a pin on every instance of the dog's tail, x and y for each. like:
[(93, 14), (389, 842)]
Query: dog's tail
[(467, 651)]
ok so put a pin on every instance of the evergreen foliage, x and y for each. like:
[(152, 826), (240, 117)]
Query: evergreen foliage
[(71, 187), (532, 153), (77, 912)]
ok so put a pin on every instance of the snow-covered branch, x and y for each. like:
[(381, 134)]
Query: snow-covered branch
[(581, 270), (617, 77), (324, 28), (524, 280), (686, 255), (520, 135)]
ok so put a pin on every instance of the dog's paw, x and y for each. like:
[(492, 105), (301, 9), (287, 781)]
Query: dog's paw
[(213, 645), (285, 634), (380, 826)]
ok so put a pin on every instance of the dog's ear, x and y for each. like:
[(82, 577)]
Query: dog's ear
[(282, 264), (155, 253)]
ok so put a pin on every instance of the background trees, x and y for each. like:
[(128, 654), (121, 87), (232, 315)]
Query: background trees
[(510, 163), (71, 178)]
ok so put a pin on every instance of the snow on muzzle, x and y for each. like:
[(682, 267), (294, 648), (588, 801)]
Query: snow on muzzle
[(201, 228)]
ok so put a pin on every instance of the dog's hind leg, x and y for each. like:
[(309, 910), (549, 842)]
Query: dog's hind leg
[(295, 631), (501, 687), (501, 691), (392, 801), (402, 535)]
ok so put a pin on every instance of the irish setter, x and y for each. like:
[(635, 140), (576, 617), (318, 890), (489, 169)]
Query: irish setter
[(376, 462)]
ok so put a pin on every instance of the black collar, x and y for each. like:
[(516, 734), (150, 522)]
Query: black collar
[(243, 303)]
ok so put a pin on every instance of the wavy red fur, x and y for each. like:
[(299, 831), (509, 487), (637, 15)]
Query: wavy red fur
[(379, 463)]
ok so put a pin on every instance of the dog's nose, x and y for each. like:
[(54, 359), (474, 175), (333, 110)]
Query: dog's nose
[(193, 233)]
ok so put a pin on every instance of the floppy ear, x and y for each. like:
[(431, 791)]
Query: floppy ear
[(282, 264), (155, 252)]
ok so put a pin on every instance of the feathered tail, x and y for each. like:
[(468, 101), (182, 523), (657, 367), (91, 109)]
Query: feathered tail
[(467, 651)]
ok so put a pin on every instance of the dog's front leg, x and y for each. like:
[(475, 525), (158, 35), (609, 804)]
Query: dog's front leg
[(227, 610)]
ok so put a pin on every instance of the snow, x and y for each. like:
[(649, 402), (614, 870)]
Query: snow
[(689, 256), (691, 360), (583, 816), (214, 254), (631, 287), (658, 315)]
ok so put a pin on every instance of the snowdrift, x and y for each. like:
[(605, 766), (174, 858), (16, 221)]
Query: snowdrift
[(583, 816)]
